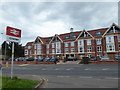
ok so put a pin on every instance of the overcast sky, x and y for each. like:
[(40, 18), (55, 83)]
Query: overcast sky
[(50, 18)]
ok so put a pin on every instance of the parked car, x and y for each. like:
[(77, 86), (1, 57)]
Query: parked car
[(46, 59), (71, 59), (54, 59), (117, 57), (21, 59), (41, 59), (93, 58), (105, 58), (30, 59)]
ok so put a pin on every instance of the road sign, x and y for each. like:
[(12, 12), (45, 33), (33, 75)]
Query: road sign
[(13, 34)]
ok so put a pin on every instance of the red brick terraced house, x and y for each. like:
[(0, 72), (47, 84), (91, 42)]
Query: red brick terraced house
[(99, 42)]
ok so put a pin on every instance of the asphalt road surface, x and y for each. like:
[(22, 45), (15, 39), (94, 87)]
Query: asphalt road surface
[(70, 75)]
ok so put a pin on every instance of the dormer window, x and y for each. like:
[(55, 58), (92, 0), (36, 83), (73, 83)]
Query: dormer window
[(74, 36), (98, 33), (85, 34), (67, 37), (114, 29), (48, 40)]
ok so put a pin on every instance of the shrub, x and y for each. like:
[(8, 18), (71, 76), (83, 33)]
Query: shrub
[(15, 78), (85, 60)]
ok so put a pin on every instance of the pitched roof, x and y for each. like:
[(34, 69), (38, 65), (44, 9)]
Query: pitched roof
[(93, 32), (62, 36), (29, 43), (44, 39)]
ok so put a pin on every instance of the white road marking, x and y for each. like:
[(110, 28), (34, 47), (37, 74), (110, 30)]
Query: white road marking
[(105, 68), (56, 69), (24, 65), (87, 69), (43, 69), (63, 76), (111, 78), (69, 69), (85, 77)]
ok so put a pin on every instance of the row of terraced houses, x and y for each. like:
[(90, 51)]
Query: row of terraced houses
[(86, 43)]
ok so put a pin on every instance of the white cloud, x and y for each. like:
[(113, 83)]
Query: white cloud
[(48, 19)]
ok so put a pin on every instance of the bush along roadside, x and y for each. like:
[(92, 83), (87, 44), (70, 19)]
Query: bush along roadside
[(85, 60)]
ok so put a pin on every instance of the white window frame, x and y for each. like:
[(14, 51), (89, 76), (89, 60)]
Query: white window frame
[(47, 45), (81, 42), (99, 48), (58, 51), (66, 50), (80, 50), (38, 47), (38, 51), (89, 49), (109, 49), (110, 39), (66, 44), (35, 46), (29, 46), (98, 41), (58, 47), (89, 42), (35, 51), (26, 52), (72, 49), (47, 51), (72, 44), (53, 51), (53, 45)]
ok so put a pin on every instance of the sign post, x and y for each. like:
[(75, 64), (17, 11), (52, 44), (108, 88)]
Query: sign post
[(13, 35), (12, 60)]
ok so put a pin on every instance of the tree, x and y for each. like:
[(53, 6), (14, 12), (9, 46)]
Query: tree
[(18, 49)]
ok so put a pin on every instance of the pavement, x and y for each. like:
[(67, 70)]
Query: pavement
[(69, 75), (69, 62)]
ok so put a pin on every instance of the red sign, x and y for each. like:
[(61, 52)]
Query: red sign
[(13, 32)]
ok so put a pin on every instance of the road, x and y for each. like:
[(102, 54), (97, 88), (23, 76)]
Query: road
[(71, 75)]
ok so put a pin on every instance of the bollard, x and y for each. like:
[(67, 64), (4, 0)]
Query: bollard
[(7, 64)]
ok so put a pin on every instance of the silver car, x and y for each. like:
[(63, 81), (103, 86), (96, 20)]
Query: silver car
[(105, 58)]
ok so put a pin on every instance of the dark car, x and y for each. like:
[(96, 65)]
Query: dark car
[(117, 57), (53, 59), (30, 59), (93, 58), (71, 59)]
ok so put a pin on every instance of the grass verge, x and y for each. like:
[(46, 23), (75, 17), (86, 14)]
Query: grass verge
[(7, 82), (0, 82)]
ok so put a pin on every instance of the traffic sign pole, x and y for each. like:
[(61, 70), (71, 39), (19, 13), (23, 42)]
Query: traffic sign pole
[(13, 35), (12, 60)]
